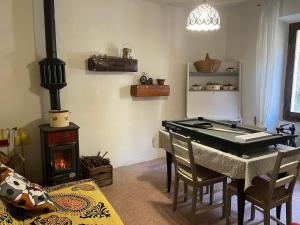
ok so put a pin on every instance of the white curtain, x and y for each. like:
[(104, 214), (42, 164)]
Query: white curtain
[(269, 61)]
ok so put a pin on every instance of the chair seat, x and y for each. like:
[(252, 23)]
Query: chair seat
[(259, 189), (203, 174)]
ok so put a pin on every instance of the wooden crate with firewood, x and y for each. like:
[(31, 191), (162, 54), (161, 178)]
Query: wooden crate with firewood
[(98, 168)]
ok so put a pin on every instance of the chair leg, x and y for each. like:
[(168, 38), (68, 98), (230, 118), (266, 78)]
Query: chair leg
[(224, 197), (278, 213), (201, 193), (252, 216), (185, 187), (228, 206), (267, 217), (194, 204), (211, 194), (206, 190), (175, 196), (289, 212)]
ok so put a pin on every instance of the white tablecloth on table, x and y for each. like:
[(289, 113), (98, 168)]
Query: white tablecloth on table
[(230, 165)]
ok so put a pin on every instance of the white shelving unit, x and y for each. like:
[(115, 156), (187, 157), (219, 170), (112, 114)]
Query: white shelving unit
[(223, 105)]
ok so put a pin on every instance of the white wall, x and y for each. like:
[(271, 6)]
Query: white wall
[(212, 42), (110, 119), (235, 41), (20, 96), (241, 45), (245, 16), (290, 7)]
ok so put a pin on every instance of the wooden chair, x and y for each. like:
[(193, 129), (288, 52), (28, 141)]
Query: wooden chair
[(195, 176), (267, 193)]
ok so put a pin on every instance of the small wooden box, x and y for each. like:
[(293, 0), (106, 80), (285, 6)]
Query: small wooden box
[(111, 63), (103, 175), (149, 90)]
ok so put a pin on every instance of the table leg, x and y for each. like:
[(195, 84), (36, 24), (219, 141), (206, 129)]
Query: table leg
[(169, 170), (241, 200)]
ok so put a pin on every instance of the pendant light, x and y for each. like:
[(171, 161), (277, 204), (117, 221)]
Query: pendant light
[(203, 18)]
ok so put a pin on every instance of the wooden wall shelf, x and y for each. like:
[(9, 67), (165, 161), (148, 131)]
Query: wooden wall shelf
[(112, 64), (149, 90)]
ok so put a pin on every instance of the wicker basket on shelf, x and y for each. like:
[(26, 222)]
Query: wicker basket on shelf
[(208, 65)]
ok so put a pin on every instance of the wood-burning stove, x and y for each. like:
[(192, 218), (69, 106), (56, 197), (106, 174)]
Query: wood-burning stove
[(60, 147), (60, 154)]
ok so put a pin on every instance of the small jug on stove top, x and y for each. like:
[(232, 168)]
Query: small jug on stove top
[(59, 118)]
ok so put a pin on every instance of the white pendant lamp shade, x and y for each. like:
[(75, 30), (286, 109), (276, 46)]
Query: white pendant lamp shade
[(203, 18)]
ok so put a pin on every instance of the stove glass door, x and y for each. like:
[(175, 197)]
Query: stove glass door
[(62, 159)]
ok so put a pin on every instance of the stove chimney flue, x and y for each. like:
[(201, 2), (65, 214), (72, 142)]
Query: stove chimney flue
[(50, 32), (52, 69)]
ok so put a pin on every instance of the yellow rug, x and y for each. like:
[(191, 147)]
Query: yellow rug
[(83, 203), (80, 204)]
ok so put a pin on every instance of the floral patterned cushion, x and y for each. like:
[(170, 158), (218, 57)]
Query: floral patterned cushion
[(19, 192)]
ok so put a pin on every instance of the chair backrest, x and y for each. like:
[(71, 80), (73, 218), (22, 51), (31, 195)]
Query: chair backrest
[(285, 173), (183, 155)]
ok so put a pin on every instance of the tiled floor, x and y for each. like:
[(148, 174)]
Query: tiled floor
[(138, 195)]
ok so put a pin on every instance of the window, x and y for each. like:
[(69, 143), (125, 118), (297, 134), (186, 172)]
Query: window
[(291, 110)]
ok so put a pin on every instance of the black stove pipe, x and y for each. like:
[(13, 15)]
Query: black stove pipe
[(55, 99), (50, 33), (52, 69)]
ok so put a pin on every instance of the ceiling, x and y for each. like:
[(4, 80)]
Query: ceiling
[(193, 3)]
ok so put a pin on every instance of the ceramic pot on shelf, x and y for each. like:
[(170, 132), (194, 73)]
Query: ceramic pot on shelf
[(160, 81)]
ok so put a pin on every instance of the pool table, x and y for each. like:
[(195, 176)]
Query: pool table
[(222, 134)]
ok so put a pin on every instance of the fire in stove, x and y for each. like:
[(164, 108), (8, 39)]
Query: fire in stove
[(60, 164), (61, 161)]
